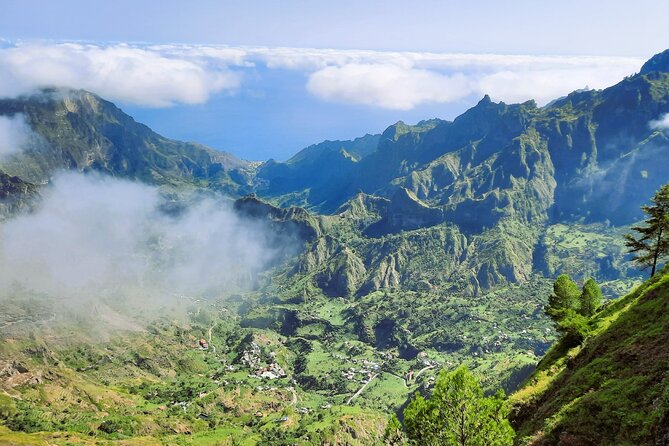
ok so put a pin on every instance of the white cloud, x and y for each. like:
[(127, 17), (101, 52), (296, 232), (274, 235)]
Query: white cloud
[(387, 86), (544, 85), (14, 134), (660, 124), (388, 79), (162, 75), (120, 72), (93, 234), (405, 81)]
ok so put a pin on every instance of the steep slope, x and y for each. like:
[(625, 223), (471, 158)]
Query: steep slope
[(79, 130), (507, 180), (316, 168), (570, 154), (612, 391), (15, 195), (605, 149)]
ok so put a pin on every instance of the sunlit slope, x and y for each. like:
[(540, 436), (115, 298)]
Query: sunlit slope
[(614, 390)]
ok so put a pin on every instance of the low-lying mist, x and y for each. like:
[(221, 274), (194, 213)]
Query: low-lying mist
[(92, 235), (14, 133)]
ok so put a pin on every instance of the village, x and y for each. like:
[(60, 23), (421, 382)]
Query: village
[(362, 371)]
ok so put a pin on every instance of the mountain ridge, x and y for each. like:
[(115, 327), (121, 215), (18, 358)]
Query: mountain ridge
[(75, 129), (505, 171)]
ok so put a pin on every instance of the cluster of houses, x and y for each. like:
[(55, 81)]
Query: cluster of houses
[(368, 369), (351, 373), (272, 371), (251, 356), (427, 362)]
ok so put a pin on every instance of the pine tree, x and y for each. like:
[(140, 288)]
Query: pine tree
[(458, 414), (564, 298), (591, 298), (652, 243), (563, 307)]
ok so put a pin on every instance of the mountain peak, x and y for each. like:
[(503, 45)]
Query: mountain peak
[(485, 100), (659, 62)]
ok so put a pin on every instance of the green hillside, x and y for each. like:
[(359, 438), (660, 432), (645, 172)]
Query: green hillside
[(613, 390), (424, 248), (78, 130), (124, 376)]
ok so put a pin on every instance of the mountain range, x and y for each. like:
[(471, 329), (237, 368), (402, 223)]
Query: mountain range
[(587, 158), (435, 240)]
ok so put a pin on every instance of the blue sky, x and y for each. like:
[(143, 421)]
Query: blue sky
[(265, 78)]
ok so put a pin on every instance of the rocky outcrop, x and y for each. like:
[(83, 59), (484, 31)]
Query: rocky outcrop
[(293, 221), (404, 212), (16, 195), (14, 374), (343, 274)]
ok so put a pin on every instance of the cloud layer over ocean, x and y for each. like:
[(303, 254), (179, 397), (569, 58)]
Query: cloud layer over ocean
[(165, 75)]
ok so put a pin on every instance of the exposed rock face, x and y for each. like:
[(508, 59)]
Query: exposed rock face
[(404, 212), (13, 374), (387, 274), (343, 274), (291, 221), (16, 195)]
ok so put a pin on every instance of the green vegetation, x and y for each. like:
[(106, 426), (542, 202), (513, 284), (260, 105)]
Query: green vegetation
[(564, 298), (437, 252), (591, 298), (458, 414), (612, 390), (160, 384), (653, 242), (570, 307)]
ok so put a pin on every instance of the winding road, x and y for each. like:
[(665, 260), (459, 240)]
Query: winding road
[(360, 390), (209, 340), (421, 371), (294, 400)]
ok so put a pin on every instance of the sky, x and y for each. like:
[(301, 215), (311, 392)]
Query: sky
[(262, 79)]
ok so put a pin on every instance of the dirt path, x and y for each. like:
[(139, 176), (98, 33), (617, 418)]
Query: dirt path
[(406, 383), (213, 348), (404, 380), (361, 389), (421, 371)]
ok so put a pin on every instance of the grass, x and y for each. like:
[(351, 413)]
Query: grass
[(614, 389)]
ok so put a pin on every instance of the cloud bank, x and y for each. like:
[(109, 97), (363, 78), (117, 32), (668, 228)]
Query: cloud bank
[(93, 235), (386, 86), (14, 134), (405, 80), (164, 75), (123, 73)]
